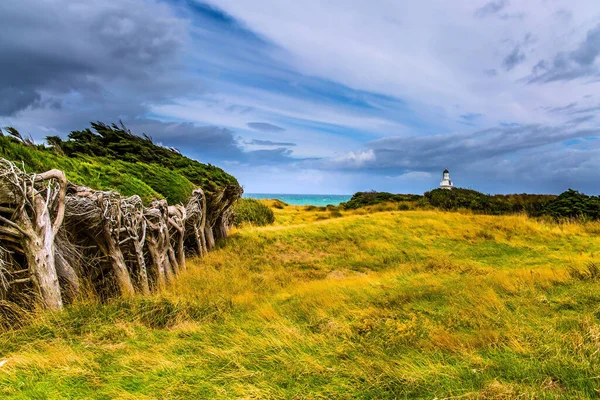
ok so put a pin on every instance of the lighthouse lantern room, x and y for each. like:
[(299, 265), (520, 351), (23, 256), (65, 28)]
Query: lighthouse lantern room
[(446, 182)]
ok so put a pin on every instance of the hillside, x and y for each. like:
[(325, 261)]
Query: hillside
[(113, 158), (394, 304)]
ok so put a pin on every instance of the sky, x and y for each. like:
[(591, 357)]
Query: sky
[(328, 97)]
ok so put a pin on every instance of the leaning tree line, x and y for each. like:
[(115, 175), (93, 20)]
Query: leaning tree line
[(56, 237)]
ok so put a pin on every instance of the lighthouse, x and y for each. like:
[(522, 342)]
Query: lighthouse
[(446, 182)]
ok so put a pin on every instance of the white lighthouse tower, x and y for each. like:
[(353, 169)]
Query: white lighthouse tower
[(446, 182)]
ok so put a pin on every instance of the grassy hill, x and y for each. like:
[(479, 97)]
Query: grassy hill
[(112, 158), (353, 304)]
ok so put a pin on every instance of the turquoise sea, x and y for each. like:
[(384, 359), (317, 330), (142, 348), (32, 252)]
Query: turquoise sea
[(302, 199)]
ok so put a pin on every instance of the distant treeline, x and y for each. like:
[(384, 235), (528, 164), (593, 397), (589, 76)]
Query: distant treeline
[(570, 204)]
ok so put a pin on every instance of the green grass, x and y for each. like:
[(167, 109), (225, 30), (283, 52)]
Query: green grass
[(253, 212), (149, 181), (112, 158), (394, 304)]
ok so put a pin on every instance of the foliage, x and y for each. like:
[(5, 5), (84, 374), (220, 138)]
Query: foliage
[(253, 212), (411, 304), (111, 157), (572, 204), (362, 199), (458, 198)]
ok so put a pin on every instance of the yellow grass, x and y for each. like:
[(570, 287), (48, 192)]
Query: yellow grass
[(372, 304)]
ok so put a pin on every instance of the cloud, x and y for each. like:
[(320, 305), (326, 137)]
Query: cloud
[(471, 116), (13, 99), (354, 159), (567, 66), (210, 143), (514, 58), (265, 127), (430, 153), (491, 8), (270, 143), (94, 50), (361, 107)]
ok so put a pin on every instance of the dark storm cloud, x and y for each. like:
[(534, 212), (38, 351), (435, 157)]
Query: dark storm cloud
[(491, 8), (208, 143), (567, 66), (265, 127), (13, 99), (94, 49)]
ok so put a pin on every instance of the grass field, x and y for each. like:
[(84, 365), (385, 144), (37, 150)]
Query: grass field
[(330, 304)]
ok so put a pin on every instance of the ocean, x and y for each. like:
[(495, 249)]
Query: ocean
[(302, 199)]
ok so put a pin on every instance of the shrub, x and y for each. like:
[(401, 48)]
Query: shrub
[(362, 199), (278, 204), (335, 213), (572, 204), (458, 198), (252, 211)]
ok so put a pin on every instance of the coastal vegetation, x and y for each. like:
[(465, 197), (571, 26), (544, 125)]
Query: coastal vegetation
[(253, 212), (568, 205), (387, 304), (62, 240), (110, 157)]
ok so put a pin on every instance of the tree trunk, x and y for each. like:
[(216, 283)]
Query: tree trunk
[(118, 264), (157, 262), (199, 243), (67, 274), (210, 239), (39, 252), (181, 252), (141, 264), (220, 228), (170, 252)]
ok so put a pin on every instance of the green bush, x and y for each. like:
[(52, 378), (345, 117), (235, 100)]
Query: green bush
[(252, 211), (458, 198), (572, 204), (362, 199)]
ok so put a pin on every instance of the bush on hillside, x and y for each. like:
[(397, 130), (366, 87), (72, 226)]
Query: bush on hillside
[(362, 199), (252, 211), (458, 198), (572, 204)]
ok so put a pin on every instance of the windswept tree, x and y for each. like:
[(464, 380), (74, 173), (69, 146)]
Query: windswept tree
[(32, 208)]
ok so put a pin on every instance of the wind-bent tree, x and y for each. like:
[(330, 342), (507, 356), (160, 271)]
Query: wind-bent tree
[(99, 216), (159, 242), (177, 217), (196, 221), (133, 237), (32, 208)]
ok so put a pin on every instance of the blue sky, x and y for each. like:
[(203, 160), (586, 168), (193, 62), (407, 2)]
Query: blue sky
[(323, 96)]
